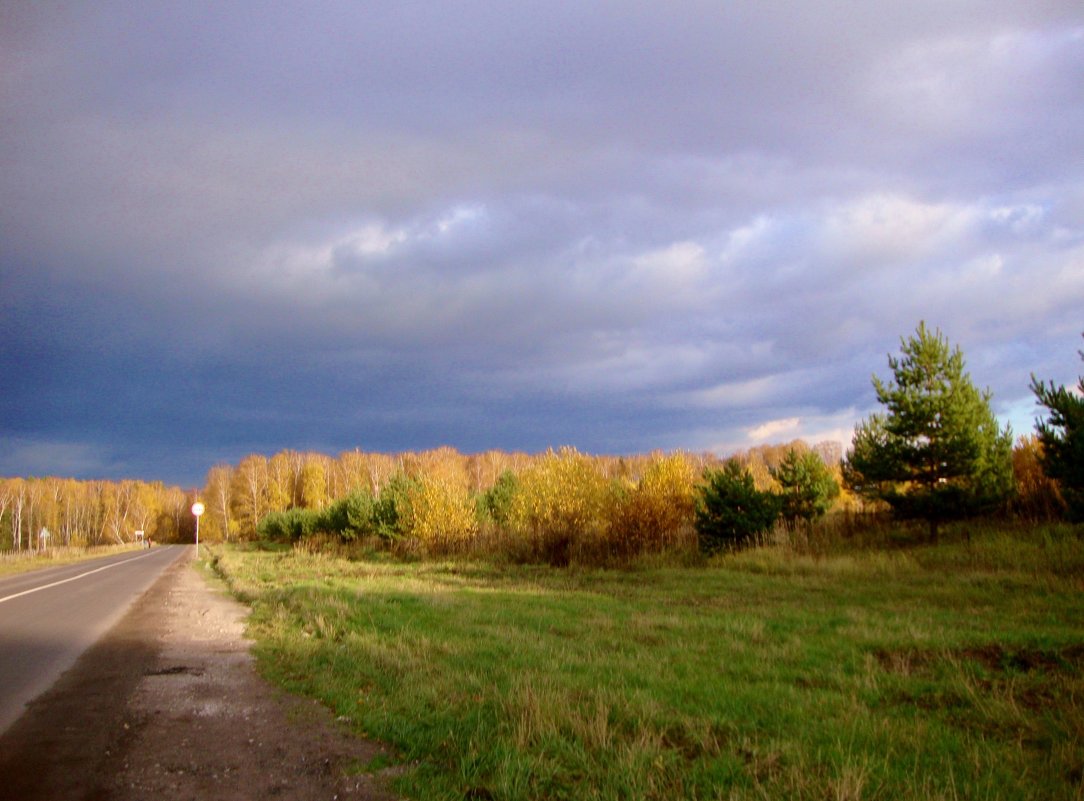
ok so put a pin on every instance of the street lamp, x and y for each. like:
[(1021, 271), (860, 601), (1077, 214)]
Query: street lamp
[(197, 510)]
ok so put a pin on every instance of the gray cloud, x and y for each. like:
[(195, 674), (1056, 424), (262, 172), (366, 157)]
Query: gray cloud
[(622, 226)]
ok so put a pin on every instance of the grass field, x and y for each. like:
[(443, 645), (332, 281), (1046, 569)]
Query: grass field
[(954, 671)]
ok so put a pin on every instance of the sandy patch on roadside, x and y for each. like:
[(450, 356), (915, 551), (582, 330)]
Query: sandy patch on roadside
[(214, 729)]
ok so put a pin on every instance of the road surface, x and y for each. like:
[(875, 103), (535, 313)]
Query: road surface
[(49, 617)]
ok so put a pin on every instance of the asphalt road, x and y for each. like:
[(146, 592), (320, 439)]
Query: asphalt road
[(49, 617)]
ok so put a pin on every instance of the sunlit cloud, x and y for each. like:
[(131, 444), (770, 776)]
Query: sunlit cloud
[(774, 429)]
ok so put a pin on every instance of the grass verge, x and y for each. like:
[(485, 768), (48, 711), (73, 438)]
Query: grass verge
[(954, 671), (23, 561)]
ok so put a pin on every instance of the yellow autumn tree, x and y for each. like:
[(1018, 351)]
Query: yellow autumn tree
[(218, 522), (440, 515), (312, 487), (558, 509), (657, 512), (1037, 496), (248, 494)]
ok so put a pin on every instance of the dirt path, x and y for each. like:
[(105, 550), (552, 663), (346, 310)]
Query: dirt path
[(168, 707)]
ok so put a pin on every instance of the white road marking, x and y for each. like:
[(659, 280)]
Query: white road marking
[(73, 578)]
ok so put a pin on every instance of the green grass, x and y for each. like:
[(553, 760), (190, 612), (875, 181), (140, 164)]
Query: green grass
[(948, 672)]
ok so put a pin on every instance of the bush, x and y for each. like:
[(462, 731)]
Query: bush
[(731, 511), (352, 517), (440, 515), (1037, 496), (558, 510), (392, 508), (291, 525), (657, 512)]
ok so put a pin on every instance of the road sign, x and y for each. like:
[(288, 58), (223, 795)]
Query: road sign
[(197, 510)]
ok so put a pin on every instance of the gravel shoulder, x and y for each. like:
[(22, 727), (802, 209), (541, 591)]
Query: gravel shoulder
[(168, 706)]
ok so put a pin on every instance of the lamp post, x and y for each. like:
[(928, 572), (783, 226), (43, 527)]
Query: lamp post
[(197, 510)]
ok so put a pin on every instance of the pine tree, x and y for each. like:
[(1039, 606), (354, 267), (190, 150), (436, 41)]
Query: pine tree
[(807, 485), (730, 511), (937, 453), (1062, 438)]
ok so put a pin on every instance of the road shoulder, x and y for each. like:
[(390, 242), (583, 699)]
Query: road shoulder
[(168, 706)]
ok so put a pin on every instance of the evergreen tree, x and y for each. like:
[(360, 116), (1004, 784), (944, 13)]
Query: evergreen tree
[(1062, 438), (937, 453), (496, 502), (808, 487), (731, 511)]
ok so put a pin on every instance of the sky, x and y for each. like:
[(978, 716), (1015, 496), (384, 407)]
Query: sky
[(234, 228)]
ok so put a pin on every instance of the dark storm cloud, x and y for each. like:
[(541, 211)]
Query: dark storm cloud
[(623, 225)]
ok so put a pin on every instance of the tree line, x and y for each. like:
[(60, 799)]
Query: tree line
[(559, 507), (935, 453), (238, 497), (38, 513)]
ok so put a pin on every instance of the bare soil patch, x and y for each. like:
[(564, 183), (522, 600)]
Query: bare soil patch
[(994, 657), (168, 706)]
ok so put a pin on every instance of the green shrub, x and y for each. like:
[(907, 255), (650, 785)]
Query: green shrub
[(392, 508), (496, 502), (351, 517), (807, 486), (291, 525), (731, 511)]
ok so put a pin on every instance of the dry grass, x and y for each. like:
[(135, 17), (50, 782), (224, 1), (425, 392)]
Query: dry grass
[(22, 561)]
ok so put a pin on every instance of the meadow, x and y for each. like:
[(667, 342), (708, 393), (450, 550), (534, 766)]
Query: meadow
[(902, 671)]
